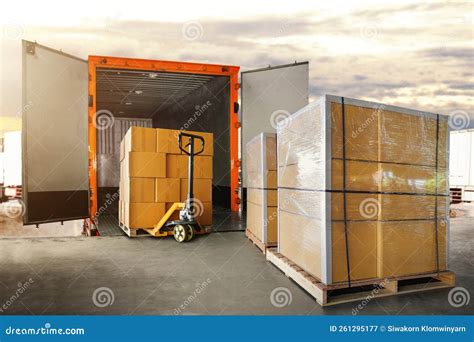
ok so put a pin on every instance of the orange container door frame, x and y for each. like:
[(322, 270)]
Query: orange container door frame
[(163, 66)]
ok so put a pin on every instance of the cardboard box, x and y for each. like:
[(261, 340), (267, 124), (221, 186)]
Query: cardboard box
[(208, 143), (175, 215), (262, 196), (167, 190), (409, 247), (146, 164), (177, 166), (202, 189), (139, 139), (205, 217), (138, 190), (167, 141), (393, 189), (143, 215)]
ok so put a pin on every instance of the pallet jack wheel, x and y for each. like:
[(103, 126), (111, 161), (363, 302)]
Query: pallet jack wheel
[(180, 233), (190, 232)]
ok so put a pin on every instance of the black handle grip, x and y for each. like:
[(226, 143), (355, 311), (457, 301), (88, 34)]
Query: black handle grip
[(190, 136)]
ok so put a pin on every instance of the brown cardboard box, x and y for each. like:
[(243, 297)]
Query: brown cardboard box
[(175, 215), (202, 189), (259, 221), (173, 169), (146, 164), (138, 190), (167, 141), (167, 190), (143, 215), (140, 139), (391, 183), (409, 247), (262, 196), (177, 166), (362, 250), (205, 218), (208, 143)]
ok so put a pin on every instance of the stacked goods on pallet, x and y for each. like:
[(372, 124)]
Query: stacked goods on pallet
[(362, 190), (262, 198), (152, 175), (177, 168)]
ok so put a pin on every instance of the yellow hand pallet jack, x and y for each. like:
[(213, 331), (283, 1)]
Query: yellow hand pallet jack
[(186, 227)]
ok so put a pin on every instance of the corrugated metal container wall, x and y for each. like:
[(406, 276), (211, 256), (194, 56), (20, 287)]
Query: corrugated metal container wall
[(108, 149)]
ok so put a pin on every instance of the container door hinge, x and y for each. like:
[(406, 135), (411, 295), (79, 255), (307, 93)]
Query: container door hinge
[(30, 48), (236, 107)]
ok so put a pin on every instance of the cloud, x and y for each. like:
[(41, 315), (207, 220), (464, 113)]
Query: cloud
[(420, 56)]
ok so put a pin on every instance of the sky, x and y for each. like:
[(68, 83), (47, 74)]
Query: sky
[(416, 54)]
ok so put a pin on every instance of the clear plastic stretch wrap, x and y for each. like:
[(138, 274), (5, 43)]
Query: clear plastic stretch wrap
[(358, 201), (262, 187)]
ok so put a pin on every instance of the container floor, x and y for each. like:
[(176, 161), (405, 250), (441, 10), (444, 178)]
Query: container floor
[(215, 274)]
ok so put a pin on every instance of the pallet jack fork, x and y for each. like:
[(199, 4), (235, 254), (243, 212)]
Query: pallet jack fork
[(186, 227)]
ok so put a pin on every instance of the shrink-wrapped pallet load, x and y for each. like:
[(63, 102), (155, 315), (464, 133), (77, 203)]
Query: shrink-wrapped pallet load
[(152, 175), (362, 190), (262, 198)]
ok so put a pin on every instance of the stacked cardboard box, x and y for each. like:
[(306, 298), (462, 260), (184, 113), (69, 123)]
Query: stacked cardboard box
[(375, 187), (153, 174), (262, 197)]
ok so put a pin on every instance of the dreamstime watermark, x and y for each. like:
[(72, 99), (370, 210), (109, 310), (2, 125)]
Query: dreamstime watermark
[(280, 119), (21, 288), (199, 110), (369, 208), (281, 297), (108, 202), (459, 119), (191, 298), (369, 297), (14, 208), (458, 297), (13, 31), (103, 119), (367, 122), (274, 215), (192, 30), (47, 329), (196, 206), (369, 30), (26, 108), (103, 296)]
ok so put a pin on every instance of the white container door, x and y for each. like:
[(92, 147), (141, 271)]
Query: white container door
[(54, 135), (268, 96)]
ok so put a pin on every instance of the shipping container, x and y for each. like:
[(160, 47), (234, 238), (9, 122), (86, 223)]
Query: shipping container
[(78, 111), (461, 159)]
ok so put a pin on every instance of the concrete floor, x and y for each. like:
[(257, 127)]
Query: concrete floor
[(218, 274)]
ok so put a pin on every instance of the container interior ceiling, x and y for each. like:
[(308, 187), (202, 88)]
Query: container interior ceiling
[(161, 100)]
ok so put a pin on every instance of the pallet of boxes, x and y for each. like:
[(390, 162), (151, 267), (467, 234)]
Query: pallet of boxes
[(363, 200), (153, 176), (262, 197)]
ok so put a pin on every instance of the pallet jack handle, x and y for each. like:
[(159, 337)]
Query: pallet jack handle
[(191, 153)]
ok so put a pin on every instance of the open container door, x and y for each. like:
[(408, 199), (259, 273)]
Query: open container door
[(268, 96), (54, 135)]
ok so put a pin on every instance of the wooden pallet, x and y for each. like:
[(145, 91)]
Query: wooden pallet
[(260, 245), (339, 293)]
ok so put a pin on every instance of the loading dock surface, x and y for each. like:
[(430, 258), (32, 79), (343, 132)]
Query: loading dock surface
[(66, 271)]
